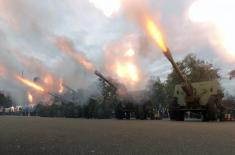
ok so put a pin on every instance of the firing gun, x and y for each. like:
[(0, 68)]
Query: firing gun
[(72, 90), (186, 86), (58, 97), (105, 79)]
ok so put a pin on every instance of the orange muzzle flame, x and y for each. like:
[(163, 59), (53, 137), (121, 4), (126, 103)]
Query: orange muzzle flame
[(30, 97), (30, 84), (61, 87), (155, 33)]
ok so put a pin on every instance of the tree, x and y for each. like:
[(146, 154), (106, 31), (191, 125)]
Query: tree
[(158, 93), (194, 69), (119, 111), (109, 99), (5, 100), (158, 97), (92, 108)]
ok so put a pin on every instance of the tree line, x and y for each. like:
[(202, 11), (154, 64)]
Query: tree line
[(5, 100), (159, 95)]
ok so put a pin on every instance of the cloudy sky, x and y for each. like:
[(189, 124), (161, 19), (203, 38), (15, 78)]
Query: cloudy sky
[(103, 31)]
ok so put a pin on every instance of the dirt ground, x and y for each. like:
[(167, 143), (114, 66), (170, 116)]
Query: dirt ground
[(35, 135)]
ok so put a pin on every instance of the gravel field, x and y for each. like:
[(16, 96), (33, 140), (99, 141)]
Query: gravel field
[(35, 135)]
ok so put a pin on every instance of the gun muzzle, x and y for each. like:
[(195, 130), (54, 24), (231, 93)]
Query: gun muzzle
[(187, 87), (105, 79), (168, 55)]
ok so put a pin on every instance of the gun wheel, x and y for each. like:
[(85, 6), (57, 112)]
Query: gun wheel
[(212, 111)]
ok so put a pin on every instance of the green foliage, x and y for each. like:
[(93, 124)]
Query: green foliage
[(109, 100), (91, 109), (5, 101), (108, 92), (158, 93), (194, 69), (119, 111)]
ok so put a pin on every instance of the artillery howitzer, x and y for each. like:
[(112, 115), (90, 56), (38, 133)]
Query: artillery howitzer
[(124, 105), (58, 97), (123, 102), (70, 89), (204, 98), (105, 79)]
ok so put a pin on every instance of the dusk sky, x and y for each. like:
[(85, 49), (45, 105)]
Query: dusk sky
[(103, 31)]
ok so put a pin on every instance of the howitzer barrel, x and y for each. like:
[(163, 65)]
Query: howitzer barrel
[(187, 86), (67, 87), (56, 96), (53, 95), (175, 66), (105, 79)]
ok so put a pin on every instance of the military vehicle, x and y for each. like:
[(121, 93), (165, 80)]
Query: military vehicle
[(203, 98), (127, 106), (105, 79)]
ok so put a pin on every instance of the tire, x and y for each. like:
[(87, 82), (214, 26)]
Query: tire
[(221, 112), (212, 111), (172, 115), (128, 115), (179, 115), (173, 110), (205, 117), (221, 117), (175, 113)]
